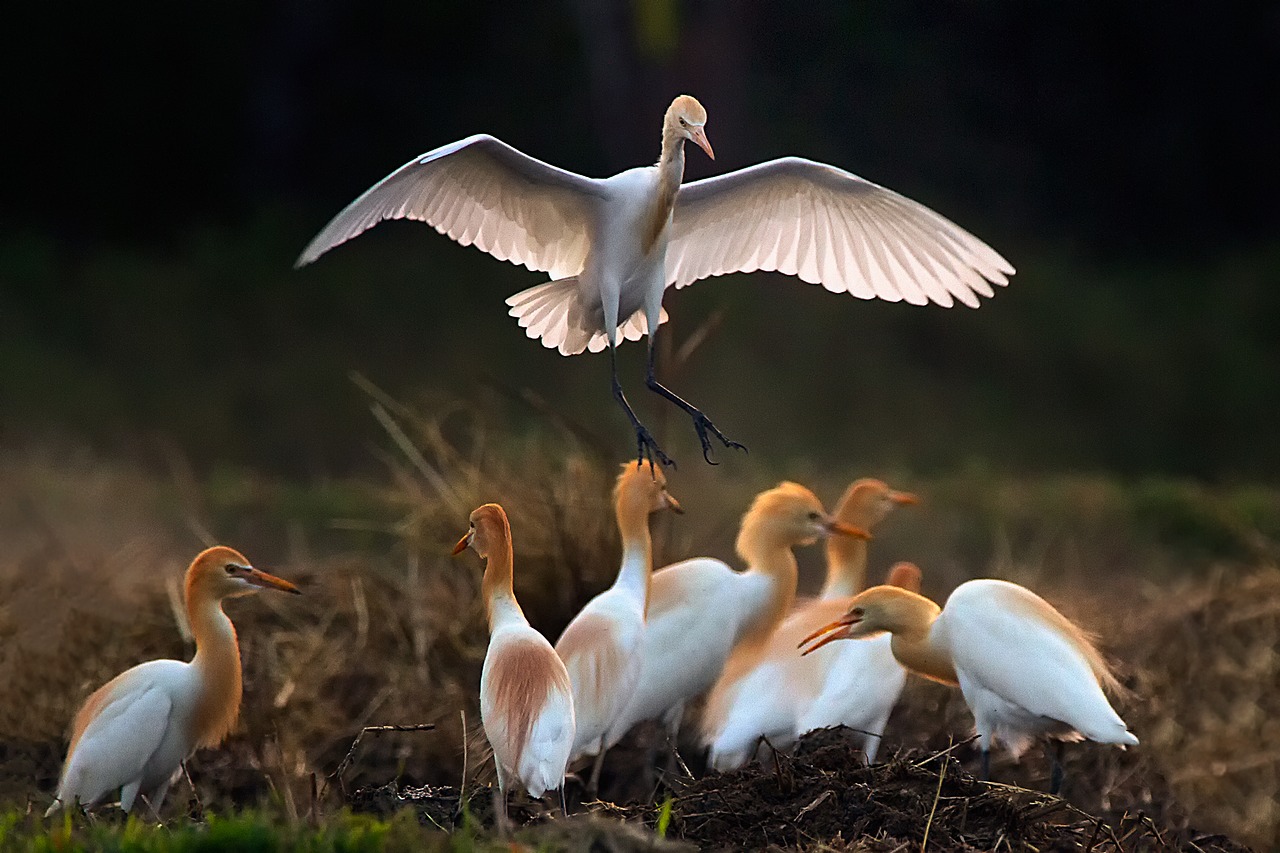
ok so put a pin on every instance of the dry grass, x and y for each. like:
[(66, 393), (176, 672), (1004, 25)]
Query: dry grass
[(391, 630)]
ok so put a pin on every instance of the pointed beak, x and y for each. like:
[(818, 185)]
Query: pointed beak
[(463, 542), (266, 581), (904, 498), (834, 526), (673, 504), (837, 630), (699, 135)]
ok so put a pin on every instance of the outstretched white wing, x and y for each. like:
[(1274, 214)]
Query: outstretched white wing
[(481, 190), (828, 227)]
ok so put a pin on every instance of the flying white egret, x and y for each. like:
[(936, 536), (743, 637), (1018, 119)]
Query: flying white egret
[(612, 246)]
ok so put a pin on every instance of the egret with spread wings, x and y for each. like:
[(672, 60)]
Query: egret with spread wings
[(612, 246)]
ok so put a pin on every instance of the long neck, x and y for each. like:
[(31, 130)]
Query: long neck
[(670, 175), (217, 666), (636, 573), (846, 567), (767, 556), (917, 647), (499, 596)]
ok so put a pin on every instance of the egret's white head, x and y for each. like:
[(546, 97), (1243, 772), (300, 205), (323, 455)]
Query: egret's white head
[(222, 572), (687, 119)]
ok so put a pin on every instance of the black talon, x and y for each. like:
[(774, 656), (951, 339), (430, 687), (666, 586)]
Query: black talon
[(647, 448), (701, 423)]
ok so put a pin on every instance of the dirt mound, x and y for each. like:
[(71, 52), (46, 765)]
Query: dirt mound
[(823, 794)]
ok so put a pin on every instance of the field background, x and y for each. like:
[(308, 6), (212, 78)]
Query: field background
[(1104, 429)]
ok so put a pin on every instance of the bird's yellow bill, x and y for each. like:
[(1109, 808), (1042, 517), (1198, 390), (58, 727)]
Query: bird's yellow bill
[(904, 498), (673, 504), (699, 135), (848, 530), (837, 630), (462, 543), (257, 577)]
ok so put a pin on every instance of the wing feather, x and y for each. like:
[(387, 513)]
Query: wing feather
[(481, 191), (827, 226)]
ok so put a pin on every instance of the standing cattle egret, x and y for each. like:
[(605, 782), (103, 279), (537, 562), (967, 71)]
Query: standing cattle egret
[(526, 702), (601, 647), (764, 690), (1023, 667), (135, 731), (613, 245), (700, 609)]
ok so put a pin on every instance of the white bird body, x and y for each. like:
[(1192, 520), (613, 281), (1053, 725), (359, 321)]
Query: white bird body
[(612, 246), (771, 691), (534, 756), (602, 647), (526, 702), (1025, 670), (135, 731), (700, 609)]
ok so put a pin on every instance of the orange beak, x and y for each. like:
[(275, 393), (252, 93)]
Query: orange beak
[(904, 498), (266, 581), (463, 543), (699, 135), (673, 504), (834, 526), (837, 630)]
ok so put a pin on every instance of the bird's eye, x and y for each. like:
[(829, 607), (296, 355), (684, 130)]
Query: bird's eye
[(683, 123), (231, 568), (814, 516), (856, 613)]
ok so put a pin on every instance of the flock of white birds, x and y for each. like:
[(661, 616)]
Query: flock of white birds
[(656, 640)]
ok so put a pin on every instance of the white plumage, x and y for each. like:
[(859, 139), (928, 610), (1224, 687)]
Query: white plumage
[(134, 732), (700, 609), (1025, 670), (602, 646), (613, 245)]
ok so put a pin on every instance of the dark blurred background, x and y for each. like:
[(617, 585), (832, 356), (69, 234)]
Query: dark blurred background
[(168, 162)]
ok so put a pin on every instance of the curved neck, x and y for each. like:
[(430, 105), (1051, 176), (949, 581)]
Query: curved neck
[(636, 572), (846, 567), (915, 643), (773, 559), (670, 174), (217, 666), (499, 596)]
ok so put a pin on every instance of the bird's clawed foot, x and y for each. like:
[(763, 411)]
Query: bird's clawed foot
[(647, 449), (703, 425)]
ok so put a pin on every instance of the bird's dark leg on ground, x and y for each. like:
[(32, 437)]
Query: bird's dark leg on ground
[(564, 805), (646, 446), (593, 785), (1056, 772), (986, 765), (701, 422)]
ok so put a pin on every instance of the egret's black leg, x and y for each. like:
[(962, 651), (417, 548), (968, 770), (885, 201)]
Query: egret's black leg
[(701, 422), (646, 446), (986, 765), (1057, 772)]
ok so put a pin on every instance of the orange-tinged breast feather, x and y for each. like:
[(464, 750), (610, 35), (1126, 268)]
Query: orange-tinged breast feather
[(588, 647), (522, 675)]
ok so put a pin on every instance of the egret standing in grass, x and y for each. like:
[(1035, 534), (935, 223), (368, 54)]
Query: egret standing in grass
[(612, 246), (1025, 669), (134, 732), (526, 702), (602, 646)]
